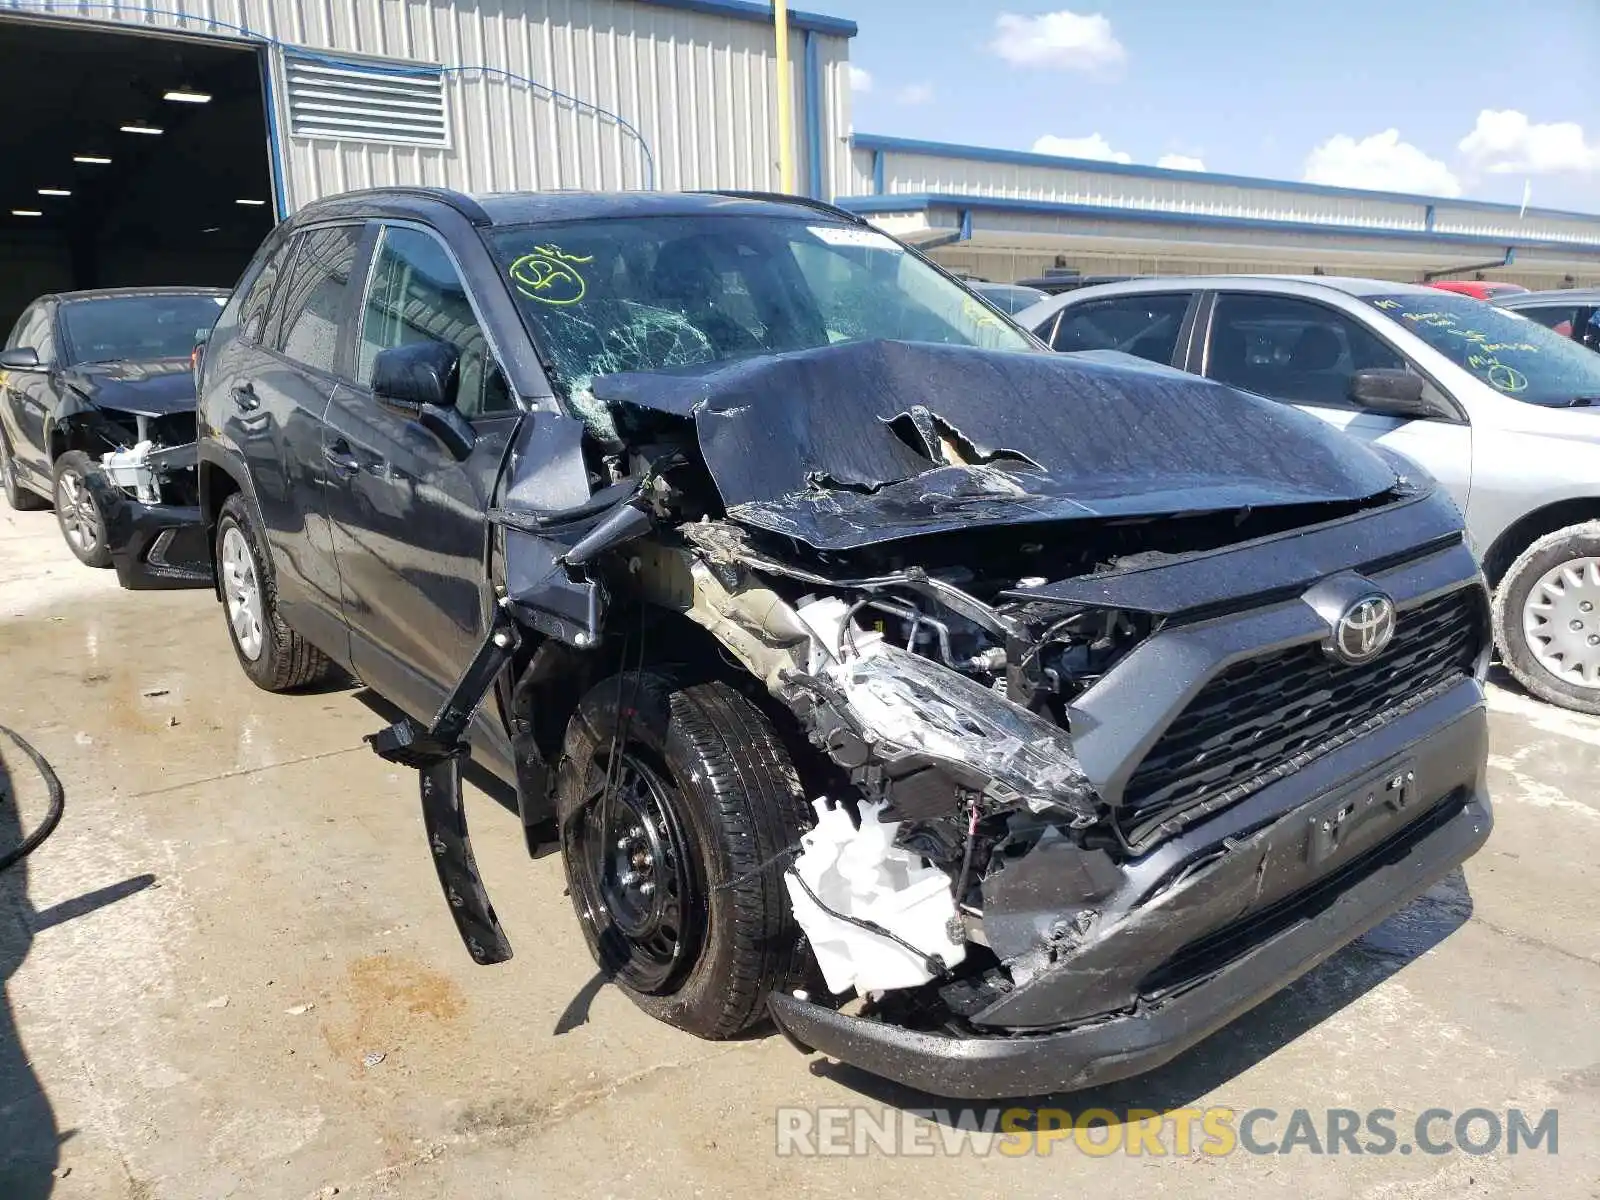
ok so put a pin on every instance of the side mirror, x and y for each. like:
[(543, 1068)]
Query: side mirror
[(1392, 392), (421, 381), (408, 377), (23, 358)]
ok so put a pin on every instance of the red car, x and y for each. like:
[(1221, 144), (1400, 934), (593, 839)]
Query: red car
[(1478, 289)]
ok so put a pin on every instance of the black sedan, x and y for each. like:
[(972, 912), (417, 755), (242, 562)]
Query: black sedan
[(86, 374)]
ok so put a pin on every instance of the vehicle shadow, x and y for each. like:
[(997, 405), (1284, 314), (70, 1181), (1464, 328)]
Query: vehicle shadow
[(1257, 1035), (29, 1140)]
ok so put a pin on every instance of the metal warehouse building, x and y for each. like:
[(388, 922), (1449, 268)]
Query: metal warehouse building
[(155, 141)]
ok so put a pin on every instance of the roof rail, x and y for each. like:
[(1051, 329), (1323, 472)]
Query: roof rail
[(463, 204), (832, 210)]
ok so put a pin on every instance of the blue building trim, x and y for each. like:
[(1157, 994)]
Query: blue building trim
[(965, 206), (879, 186), (816, 154), (269, 102), (742, 10), (1021, 158)]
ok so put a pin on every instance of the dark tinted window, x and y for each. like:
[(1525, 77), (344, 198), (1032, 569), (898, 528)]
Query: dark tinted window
[(32, 330), (314, 295), (1146, 326), (134, 328), (1292, 349), (417, 295), (257, 302)]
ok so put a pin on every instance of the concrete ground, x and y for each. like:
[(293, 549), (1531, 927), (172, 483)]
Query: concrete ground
[(230, 974)]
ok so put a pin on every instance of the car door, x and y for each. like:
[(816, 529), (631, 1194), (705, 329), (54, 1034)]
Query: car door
[(408, 518), (1304, 352), (280, 378), (1150, 325), (30, 399)]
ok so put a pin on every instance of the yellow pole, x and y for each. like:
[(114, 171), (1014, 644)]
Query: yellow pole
[(780, 17)]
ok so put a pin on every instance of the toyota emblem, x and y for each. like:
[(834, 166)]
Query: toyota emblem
[(1364, 630)]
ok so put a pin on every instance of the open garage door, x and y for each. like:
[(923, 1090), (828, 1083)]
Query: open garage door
[(130, 159)]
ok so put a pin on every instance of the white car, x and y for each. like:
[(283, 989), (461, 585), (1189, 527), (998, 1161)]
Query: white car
[(1502, 411)]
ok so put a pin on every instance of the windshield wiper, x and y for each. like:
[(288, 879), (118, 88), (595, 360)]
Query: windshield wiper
[(1583, 401)]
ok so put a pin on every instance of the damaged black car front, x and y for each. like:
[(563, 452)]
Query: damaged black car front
[(109, 423), (996, 722)]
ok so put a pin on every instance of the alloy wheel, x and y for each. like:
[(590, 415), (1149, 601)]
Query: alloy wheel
[(241, 590)]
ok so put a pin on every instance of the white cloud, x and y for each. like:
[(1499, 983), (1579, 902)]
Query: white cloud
[(1505, 142), (1057, 39), (1381, 162), (1093, 147), (1181, 162), (915, 93), (860, 79)]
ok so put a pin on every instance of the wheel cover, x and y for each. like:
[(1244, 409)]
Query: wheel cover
[(241, 591), (1561, 621), (80, 519), (635, 879)]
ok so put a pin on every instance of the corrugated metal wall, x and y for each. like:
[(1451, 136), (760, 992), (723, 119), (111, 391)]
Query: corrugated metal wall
[(911, 172), (698, 88)]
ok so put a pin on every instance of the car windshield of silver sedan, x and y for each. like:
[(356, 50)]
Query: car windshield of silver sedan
[(138, 328), (651, 294), (1515, 356)]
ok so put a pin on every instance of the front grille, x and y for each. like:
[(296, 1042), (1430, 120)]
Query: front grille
[(1283, 708)]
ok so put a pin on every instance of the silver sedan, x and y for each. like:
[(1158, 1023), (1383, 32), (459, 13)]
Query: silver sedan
[(1502, 411)]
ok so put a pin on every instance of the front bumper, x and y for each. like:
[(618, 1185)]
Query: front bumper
[(1220, 946), (154, 547)]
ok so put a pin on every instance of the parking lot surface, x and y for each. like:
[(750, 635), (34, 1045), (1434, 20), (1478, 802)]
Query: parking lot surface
[(230, 974)]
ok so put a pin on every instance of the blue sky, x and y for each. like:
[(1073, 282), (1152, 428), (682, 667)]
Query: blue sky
[(1448, 97)]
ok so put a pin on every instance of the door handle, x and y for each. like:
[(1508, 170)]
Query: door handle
[(338, 456), (244, 396)]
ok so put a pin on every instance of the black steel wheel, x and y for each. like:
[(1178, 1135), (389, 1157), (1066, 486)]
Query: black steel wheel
[(634, 874), (676, 802)]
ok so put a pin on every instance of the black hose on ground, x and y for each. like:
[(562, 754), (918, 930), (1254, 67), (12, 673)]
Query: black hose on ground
[(58, 803)]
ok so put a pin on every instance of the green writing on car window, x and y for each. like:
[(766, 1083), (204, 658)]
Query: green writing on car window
[(550, 275), (1484, 358)]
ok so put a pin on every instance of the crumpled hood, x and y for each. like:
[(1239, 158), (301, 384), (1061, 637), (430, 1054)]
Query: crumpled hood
[(869, 442), (151, 389)]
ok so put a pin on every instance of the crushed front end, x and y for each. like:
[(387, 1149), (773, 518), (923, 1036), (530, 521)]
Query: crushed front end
[(1104, 747), (147, 493)]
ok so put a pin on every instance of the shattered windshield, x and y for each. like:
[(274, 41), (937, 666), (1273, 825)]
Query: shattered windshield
[(654, 293), (1515, 356)]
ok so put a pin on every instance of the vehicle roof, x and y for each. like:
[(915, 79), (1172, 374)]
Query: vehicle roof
[(114, 293), (1554, 296), (523, 208)]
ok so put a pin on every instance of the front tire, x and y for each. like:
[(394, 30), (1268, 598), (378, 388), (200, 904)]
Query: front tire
[(1547, 618), (18, 496), (670, 867), (82, 524), (275, 657)]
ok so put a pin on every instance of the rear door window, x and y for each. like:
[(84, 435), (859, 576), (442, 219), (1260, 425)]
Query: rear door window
[(257, 301), (1291, 349), (316, 294), (1145, 326)]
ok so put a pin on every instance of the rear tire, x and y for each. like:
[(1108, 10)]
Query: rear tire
[(1541, 626), (83, 527), (705, 797), (18, 495), (275, 657)]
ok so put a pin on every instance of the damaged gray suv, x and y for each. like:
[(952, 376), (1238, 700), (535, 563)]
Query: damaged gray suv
[(994, 721)]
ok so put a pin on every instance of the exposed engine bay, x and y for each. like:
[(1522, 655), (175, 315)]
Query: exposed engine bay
[(934, 593)]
